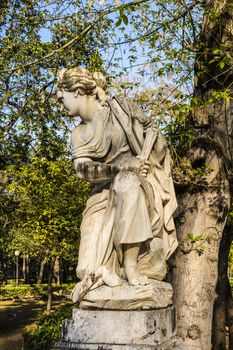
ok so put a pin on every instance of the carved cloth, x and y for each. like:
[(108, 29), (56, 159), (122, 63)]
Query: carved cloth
[(131, 208)]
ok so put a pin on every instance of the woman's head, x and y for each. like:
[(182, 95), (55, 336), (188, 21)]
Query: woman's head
[(82, 81)]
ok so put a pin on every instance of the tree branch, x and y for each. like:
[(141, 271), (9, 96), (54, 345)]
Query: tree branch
[(5, 130), (82, 34), (8, 127), (150, 32)]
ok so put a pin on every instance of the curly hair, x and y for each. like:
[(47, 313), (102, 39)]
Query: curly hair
[(81, 80)]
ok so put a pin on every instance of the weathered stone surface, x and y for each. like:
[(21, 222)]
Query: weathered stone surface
[(127, 231), (151, 327), (76, 346), (155, 295), (169, 345)]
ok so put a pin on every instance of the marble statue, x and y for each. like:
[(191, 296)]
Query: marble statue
[(127, 231)]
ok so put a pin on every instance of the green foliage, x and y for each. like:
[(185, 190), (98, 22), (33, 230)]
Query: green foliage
[(230, 216), (26, 291), (193, 238), (40, 199), (46, 331), (198, 242), (49, 204), (122, 17), (230, 258), (12, 282), (231, 283), (30, 118)]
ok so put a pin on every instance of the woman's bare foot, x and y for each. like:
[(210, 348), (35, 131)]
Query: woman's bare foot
[(134, 277)]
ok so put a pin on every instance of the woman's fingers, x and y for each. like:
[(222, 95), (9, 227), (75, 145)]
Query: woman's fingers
[(144, 172), (147, 162), (146, 167)]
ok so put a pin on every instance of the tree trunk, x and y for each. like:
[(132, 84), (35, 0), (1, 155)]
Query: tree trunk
[(56, 272), (50, 288), (202, 215), (204, 205), (26, 268), (42, 266), (221, 303)]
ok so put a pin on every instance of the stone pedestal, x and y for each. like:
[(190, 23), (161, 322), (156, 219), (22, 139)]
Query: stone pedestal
[(155, 295), (118, 330)]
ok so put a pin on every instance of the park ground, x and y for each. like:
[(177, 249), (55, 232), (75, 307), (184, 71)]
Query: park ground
[(14, 316)]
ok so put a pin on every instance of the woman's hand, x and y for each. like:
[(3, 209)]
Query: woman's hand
[(138, 165), (145, 167)]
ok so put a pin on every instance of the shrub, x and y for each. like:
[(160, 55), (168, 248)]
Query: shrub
[(12, 282), (46, 331), (12, 292), (231, 283), (27, 291)]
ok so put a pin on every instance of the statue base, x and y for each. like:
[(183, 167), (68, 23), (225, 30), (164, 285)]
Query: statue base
[(155, 295), (118, 330)]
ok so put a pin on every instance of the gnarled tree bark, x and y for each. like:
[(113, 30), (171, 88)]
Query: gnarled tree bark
[(202, 212), (204, 205)]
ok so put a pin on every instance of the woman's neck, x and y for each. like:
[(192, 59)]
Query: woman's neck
[(90, 110)]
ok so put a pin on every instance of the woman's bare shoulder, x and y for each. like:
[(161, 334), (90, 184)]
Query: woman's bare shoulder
[(77, 134)]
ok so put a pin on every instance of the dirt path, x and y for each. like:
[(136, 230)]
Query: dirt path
[(14, 316)]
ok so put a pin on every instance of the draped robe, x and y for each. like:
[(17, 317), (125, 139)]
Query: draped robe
[(129, 208)]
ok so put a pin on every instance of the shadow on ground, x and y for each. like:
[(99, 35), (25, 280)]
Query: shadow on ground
[(14, 316)]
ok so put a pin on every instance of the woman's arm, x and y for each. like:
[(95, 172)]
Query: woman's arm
[(97, 172)]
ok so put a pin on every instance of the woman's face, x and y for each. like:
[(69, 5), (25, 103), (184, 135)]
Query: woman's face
[(70, 101)]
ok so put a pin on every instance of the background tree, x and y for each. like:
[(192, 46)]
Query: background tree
[(33, 131), (50, 202), (204, 206)]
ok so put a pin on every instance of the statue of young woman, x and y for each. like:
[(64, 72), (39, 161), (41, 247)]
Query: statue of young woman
[(127, 231)]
